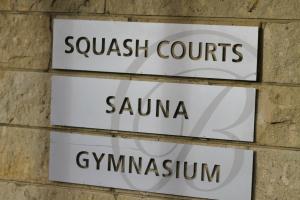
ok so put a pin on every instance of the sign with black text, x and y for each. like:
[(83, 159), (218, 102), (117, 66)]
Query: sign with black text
[(160, 167), (163, 108), (192, 50)]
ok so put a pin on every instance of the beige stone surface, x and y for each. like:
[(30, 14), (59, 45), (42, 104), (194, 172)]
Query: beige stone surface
[(193, 20), (277, 175), (281, 53), (25, 98), (24, 154), (86, 6), (21, 191), (279, 9), (5, 5), (278, 116), (25, 41)]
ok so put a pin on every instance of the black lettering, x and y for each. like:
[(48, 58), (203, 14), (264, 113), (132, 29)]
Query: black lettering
[(112, 162), (114, 47), (113, 108), (138, 168), (177, 169), (95, 46), (159, 49), (126, 106), (183, 50), (98, 160), (165, 110), (210, 176), (69, 44), (224, 45), (185, 169), (153, 168), (191, 51), (145, 48), (209, 51), (85, 163), (180, 110), (238, 53), (140, 107), (125, 44), (168, 168), (83, 51)]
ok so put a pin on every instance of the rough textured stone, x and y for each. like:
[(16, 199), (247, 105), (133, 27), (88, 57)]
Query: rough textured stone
[(20, 191), (25, 41), (25, 98), (24, 154), (288, 9), (93, 17), (192, 20), (87, 6), (281, 53), (277, 175), (278, 118), (5, 5)]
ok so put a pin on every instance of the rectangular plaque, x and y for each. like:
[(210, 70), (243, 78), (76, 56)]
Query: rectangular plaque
[(150, 107), (192, 50), (160, 167)]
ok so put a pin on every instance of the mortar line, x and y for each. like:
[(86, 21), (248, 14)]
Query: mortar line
[(208, 18), (153, 137), (152, 78), (57, 185), (93, 188), (105, 6)]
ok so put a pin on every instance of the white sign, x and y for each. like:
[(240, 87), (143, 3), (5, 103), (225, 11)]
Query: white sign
[(209, 51), (169, 168), (149, 107)]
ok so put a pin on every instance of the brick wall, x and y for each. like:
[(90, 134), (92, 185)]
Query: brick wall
[(25, 55)]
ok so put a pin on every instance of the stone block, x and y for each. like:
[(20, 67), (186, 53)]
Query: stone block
[(25, 41), (82, 6), (281, 53), (5, 5), (21, 191), (277, 175), (25, 98), (278, 116), (24, 154)]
